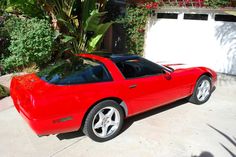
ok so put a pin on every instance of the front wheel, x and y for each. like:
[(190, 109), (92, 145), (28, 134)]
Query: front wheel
[(104, 121), (202, 90)]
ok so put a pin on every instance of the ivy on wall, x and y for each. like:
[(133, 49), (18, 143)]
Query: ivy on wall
[(197, 3), (134, 23), (216, 3)]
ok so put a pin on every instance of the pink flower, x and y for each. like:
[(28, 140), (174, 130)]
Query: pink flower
[(148, 6), (141, 30), (152, 5), (155, 5)]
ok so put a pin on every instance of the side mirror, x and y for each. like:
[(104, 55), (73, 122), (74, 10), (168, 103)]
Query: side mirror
[(167, 75)]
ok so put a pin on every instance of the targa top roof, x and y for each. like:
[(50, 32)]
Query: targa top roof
[(116, 57)]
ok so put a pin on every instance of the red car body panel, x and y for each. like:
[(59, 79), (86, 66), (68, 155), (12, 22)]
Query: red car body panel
[(51, 109)]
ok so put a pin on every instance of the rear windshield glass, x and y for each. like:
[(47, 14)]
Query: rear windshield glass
[(75, 70)]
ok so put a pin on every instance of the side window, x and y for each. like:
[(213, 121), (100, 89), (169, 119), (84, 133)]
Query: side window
[(89, 74), (75, 71), (138, 68)]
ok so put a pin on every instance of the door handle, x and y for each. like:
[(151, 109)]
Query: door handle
[(133, 86)]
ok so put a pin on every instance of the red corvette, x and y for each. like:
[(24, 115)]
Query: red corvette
[(96, 92)]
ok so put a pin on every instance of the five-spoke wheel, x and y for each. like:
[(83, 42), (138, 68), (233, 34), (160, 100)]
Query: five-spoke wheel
[(104, 121), (202, 91)]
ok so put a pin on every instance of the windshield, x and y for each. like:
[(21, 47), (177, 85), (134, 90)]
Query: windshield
[(75, 70)]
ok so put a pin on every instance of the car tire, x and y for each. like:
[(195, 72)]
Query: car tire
[(202, 90), (104, 121)]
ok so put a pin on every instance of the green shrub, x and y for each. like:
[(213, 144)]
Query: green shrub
[(31, 42), (135, 22), (3, 92), (216, 3), (4, 42)]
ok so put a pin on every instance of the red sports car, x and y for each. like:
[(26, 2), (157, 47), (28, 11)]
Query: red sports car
[(96, 92)]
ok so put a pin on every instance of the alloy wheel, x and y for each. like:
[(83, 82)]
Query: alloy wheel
[(203, 90), (106, 122)]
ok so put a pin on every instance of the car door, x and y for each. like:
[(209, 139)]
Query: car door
[(146, 85), (148, 92)]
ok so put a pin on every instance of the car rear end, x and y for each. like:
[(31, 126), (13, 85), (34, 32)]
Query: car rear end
[(21, 95), (30, 100), (23, 99)]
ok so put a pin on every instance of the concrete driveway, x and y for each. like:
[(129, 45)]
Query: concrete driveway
[(180, 129)]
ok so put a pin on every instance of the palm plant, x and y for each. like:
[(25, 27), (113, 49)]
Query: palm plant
[(79, 23)]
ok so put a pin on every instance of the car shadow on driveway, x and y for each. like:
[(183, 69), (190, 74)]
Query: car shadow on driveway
[(129, 121), (70, 135)]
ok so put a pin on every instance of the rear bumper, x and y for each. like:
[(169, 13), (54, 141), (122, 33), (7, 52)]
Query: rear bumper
[(51, 126)]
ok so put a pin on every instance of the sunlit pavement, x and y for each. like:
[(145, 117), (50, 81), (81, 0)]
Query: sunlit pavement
[(180, 129)]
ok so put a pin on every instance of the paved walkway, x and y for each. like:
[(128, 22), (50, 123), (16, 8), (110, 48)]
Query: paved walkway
[(6, 103)]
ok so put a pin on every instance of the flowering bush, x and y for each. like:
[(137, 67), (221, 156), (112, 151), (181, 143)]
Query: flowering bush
[(217, 3), (152, 5), (194, 3), (197, 3), (134, 22)]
